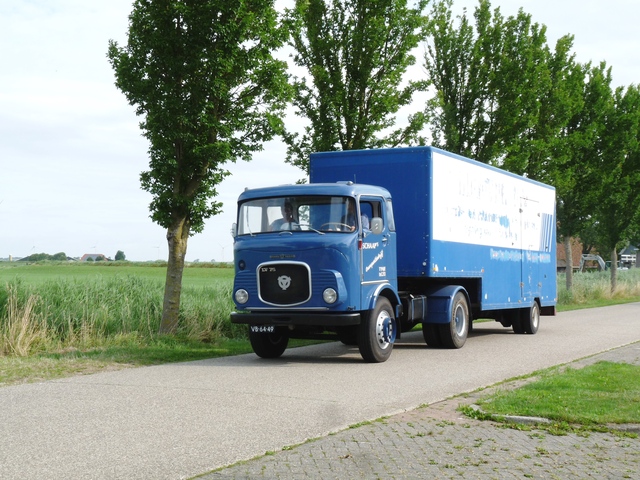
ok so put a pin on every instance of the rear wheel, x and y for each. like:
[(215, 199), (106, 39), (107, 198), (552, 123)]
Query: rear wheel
[(454, 334), (530, 319), (377, 333), (268, 342)]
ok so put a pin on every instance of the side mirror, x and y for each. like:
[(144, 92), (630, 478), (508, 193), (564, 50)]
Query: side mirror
[(234, 230), (376, 225)]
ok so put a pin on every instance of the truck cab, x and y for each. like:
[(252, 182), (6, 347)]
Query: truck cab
[(316, 261)]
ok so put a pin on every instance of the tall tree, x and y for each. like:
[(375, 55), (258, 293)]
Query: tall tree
[(202, 75), (502, 96), (490, 85), (576, 152), (618, 175), (355, 53)]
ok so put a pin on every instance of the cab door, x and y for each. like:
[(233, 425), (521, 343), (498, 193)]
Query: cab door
[(377, 248)]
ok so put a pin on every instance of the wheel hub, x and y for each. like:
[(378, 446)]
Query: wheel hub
[(385, 329), (460, 320)]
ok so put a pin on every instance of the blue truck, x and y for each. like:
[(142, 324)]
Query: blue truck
[(382, 240)]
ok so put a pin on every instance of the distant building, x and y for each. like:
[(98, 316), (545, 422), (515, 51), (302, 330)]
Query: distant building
[(95, 257), (576, 253)]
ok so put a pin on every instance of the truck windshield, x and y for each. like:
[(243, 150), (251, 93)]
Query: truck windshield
[(323, 214)]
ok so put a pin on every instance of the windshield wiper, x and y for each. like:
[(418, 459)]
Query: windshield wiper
[(311, 228)]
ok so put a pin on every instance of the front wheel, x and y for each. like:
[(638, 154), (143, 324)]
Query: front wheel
[(268, 342), (377, 333)]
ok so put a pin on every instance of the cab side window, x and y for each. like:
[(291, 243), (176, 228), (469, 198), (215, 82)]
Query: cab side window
[(369, 209)]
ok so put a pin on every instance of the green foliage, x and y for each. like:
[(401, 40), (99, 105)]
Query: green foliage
[(574, 172), (618, 170), (501, 95), (203, 77), (355, 53), (120, 256), (39, 257)]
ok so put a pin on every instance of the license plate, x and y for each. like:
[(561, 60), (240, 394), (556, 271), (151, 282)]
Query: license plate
[(263, 328)]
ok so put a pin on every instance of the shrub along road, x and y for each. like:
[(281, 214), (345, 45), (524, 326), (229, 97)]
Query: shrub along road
[(179, 420)]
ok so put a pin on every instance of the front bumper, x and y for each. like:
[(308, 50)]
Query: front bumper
[(310, 319)]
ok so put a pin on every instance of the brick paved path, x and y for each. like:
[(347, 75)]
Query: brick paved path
[(417, 445)]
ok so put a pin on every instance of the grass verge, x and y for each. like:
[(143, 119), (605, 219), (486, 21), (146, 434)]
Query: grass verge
[(591, 397), (128, 352)]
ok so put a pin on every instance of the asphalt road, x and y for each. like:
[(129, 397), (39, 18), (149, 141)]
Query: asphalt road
[(180, 420)]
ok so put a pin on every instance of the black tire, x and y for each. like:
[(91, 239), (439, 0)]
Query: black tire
[(377, 332), (268, 344), (431, 334), (530, 319), (515, 321), (454, 334), (348, 335)]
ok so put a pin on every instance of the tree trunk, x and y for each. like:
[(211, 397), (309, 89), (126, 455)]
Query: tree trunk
[(568, 255), (177, 236), (614, 270)]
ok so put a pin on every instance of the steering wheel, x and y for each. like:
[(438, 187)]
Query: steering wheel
[(339, 225)]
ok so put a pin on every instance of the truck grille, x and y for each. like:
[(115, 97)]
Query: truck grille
[(285, 284)]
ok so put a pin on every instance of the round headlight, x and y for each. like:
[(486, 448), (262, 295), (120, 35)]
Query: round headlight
[(242, 296), (330, 295)]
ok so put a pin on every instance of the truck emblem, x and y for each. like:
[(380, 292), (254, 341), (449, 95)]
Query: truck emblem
[(284, 281)]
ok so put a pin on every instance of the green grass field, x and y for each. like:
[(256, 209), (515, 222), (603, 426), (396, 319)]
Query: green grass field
[(194, 276), (53, 307)]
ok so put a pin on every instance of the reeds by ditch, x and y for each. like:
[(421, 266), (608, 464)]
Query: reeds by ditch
[(590, 287), (82, 314)]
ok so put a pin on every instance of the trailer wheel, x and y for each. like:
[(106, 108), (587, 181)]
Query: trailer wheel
[(517, 323), (268, 344), (530, 319), (377, 333), (454, 334)]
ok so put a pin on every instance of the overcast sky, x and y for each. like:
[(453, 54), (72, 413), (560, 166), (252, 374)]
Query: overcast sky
[(71, 151)]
